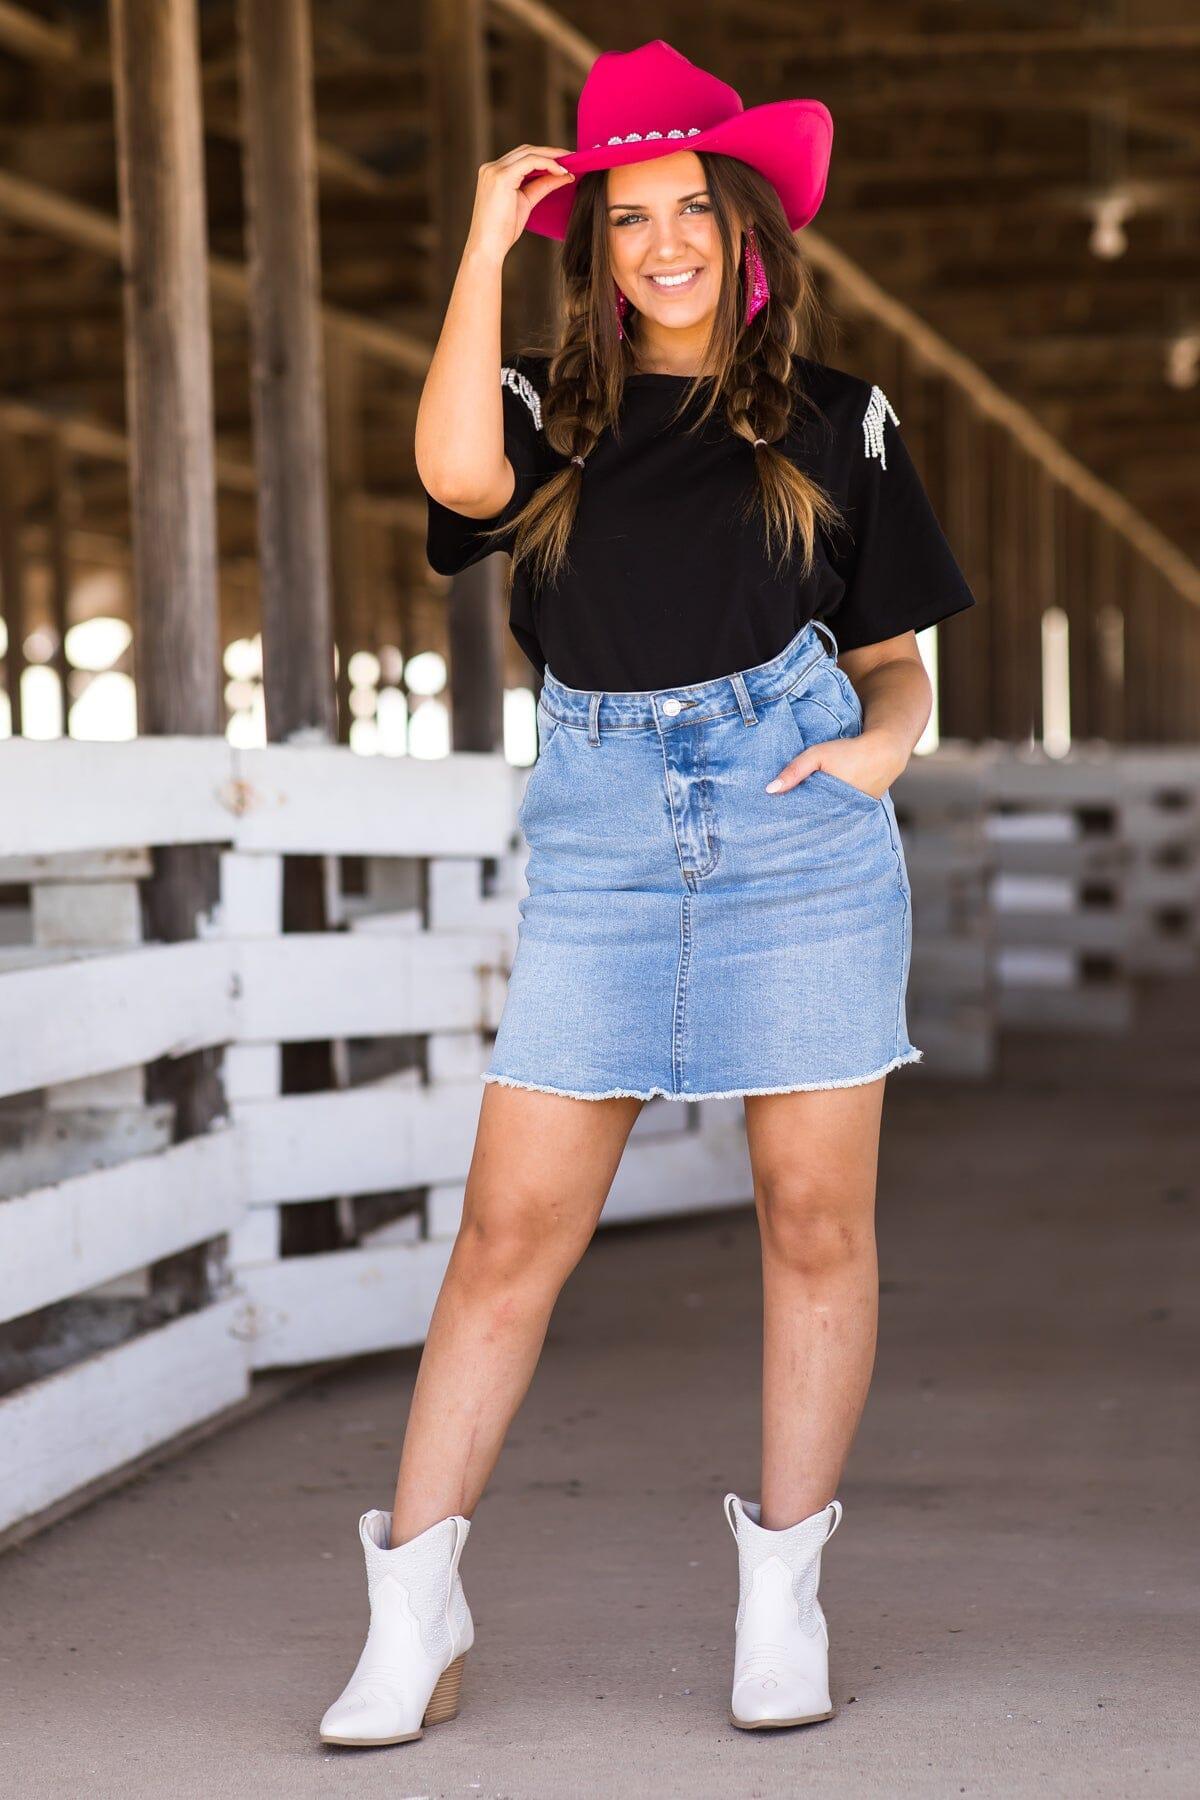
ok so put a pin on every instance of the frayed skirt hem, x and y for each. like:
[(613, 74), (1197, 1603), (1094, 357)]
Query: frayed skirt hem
[(792, 1087)]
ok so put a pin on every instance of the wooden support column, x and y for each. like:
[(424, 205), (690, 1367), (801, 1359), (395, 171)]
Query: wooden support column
[(1190, 725), (1072, 547), (1151, 596), (62, 521), (1173, 616), (12, 576), (1004, 721), (964, 668), (1188, 710), (172, 501), (537, 114), (1142, 651), (286, 369), (1112, 630), (461, 140), (1158, 657), (168, 365), (1030, 597), (1045, 517), (345, 478), (288, 388), (1026, 600)]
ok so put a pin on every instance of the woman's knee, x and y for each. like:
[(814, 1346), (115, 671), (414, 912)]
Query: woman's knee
[(522, 1235), (811, 1229)]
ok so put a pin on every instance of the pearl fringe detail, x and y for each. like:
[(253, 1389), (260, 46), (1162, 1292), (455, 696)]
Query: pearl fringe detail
[(522, 386), (879, 411)]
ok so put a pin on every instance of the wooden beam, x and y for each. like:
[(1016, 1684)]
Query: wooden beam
[(340, 168), (62, 519), (536, 91), (936, 354), (963, 663), (1076, 599), (160, 166), (461, 136), (38, 208), (1005, 69), (287, 380), (578, 51), (289, 396), (1075, 44), (12, 578), (350, 605), (168, 362), (23, 34), (91, 438)]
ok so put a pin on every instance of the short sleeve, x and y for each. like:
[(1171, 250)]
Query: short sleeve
[(453, 541), (900, 573)]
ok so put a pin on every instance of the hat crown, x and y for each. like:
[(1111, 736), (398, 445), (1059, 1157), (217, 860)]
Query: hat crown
[(651, 92)]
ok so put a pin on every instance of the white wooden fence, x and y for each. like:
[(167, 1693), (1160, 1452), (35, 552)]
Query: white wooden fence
[(98, 1362), (92, 1189), (1045, 889)]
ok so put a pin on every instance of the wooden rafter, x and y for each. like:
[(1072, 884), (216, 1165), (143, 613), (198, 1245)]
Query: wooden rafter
[(23, 34), (38, 208)]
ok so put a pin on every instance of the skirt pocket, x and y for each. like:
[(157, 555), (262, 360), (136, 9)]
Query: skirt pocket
[(817, 707), (847, 787), (548, 729)]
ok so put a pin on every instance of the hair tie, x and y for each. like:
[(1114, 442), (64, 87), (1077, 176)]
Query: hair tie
[(759, 441)]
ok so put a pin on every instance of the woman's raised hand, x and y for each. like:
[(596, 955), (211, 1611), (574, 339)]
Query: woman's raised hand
[(502, 205)]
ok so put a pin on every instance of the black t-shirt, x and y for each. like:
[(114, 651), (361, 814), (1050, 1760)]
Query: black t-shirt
[(667, 584)]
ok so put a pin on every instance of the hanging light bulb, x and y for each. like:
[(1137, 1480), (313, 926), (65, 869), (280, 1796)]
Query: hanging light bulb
[(1183, 360), (1108, 239)]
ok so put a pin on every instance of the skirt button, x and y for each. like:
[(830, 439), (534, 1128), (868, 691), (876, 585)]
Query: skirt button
[(671, 707)]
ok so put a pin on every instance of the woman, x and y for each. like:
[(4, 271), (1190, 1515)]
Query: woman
[(718, 901)]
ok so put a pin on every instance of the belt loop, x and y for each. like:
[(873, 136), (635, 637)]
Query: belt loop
[(745, 705), (593, 720), (821, 626)]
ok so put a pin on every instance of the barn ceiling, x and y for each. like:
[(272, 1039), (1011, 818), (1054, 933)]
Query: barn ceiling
[(1026, 177)]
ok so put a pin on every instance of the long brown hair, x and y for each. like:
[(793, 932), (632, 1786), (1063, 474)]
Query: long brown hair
[(755, 379)]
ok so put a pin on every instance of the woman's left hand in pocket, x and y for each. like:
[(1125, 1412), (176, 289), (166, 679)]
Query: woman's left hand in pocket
[(870, 761)]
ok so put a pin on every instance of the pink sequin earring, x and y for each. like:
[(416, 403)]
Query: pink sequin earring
[(622, 307), (757, 290)]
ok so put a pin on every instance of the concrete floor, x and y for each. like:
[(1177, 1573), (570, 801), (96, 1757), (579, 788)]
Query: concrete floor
[(1012, 1594)]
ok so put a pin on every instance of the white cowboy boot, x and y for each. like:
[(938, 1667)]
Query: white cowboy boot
[(410, 1670), (781, 1658)]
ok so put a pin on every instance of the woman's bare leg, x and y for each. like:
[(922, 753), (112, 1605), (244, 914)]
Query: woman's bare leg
[(815, 1159), (540, 1174)]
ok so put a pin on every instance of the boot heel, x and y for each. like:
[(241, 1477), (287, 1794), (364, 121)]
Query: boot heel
[(443, 1702)]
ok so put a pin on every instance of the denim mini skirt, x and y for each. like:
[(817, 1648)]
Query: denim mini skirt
[(686, 933)]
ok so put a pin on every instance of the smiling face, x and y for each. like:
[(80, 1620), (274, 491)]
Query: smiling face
[(665, 248)]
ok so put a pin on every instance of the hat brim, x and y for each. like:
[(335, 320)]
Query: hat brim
[(788, 141)]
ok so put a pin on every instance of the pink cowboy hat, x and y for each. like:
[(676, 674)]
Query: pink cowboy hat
[(652, 101)]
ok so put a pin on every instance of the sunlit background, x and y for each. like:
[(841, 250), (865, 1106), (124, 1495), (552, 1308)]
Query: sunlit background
[(397, 708)]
